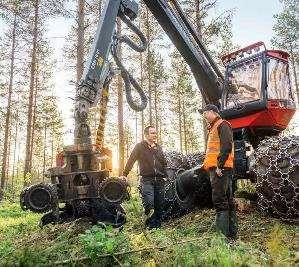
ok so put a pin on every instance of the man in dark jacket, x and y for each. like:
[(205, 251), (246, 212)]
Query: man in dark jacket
[(152, 167)]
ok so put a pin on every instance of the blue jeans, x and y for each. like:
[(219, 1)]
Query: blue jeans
[(152, 194)]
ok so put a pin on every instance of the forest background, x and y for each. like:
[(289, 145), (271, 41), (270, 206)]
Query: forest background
[(44, 45)]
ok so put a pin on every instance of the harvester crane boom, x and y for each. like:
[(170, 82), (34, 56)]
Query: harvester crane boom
[(98, 70), (97, 73), (183, 35)]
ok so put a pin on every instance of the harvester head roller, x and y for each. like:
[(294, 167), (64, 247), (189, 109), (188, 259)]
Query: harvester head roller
[(39, 198), (113, 191)]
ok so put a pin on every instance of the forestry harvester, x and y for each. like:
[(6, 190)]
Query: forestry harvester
[(254, 94)]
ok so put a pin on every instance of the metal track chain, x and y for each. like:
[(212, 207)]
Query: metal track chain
[(277, 171)]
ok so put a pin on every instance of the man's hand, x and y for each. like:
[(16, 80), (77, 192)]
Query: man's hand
[(219, 172)]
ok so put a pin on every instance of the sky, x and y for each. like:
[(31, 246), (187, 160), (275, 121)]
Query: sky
[(253, 20)]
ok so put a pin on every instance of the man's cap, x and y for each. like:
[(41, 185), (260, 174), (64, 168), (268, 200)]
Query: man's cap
[(209, 107)]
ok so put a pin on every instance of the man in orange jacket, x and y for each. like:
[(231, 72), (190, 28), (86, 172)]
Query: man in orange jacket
[(219, 161)]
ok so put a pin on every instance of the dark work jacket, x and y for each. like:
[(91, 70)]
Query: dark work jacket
[(151, 160)]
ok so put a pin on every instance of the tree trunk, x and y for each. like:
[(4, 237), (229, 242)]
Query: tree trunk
[(80, 40), (141, 84), (136, 127), (127, 147), (45, 147), (180, 123), (293, 63), (184, 126), (156, 110), (142, 125), (33, 118), (15, 150), (27, 168), (52, 146), (8, 156), (160, 131), (120, 113), (18, 160), (7, 116), (198, 19), (149, 69), (199, 32)]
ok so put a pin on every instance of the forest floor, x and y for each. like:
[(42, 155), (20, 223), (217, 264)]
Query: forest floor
[(187, 241)]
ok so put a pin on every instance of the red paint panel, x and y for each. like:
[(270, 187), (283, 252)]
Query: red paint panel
[(272, 117), (278, 54), (235, 53)]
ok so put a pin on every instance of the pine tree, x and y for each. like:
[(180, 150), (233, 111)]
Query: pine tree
[(29, 70), (184, 102), (152, 31), (286, 29), (120, 112), (42, 10), (8, 112), (27, 168)]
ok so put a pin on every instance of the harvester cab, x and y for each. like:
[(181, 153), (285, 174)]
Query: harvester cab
[(257, 94)]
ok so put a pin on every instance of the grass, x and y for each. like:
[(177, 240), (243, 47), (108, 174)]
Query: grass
[(187, 241)]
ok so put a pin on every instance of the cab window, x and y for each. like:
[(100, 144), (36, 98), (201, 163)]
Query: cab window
[(279, 86), (245, 83)]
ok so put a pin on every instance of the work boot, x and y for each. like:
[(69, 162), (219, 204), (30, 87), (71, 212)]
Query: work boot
[(233, 224), (149, 217), (222, 222), (155, 223)]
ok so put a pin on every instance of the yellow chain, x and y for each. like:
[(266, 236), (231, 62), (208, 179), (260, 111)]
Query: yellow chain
[(103, 111)]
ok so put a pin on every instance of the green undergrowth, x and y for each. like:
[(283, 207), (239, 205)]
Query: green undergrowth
[(187, 241)]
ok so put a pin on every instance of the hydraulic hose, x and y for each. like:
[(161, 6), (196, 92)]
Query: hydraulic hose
[(129, 80)]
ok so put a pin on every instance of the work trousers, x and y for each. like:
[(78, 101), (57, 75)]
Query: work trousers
[(222, 191), (152, 192)]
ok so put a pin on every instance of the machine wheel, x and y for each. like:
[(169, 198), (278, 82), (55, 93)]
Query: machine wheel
[(203, 195), (277, 172), (176, 202)]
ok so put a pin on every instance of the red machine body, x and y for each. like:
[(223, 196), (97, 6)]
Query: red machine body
[(275, 115)]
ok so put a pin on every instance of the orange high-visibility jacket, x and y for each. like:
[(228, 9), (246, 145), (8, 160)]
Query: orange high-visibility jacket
[(213, 148)]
